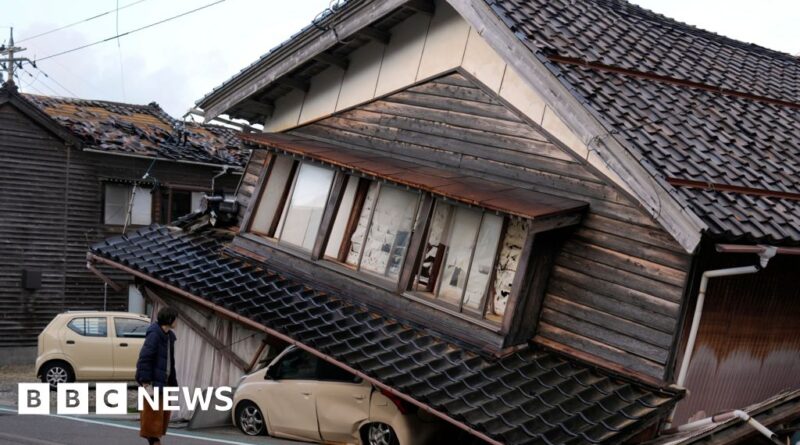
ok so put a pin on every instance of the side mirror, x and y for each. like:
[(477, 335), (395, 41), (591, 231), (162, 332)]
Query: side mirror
[(272, 373)]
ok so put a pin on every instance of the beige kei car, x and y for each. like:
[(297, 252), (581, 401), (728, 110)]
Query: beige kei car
[(301, 397), (90, 345)]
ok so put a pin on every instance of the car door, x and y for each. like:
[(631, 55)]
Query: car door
[(86, 343), (128, 339), (343, 402), (290, 398)]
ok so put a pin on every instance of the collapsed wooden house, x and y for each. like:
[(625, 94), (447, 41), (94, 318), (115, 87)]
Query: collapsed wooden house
[(77, 171), (505, 212)]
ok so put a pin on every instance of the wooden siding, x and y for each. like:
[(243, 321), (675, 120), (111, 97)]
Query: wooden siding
[(616, 287), (51, 204)]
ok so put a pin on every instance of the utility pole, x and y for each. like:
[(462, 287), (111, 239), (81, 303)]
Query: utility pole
[(9, 63)]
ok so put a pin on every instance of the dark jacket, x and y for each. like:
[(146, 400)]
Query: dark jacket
[(152, 365)]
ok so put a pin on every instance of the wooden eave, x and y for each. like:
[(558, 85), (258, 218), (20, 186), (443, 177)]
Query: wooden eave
[(470, 190), (299, 58)]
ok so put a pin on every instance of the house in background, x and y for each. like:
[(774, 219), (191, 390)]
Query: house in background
[(513, 214), (76, 171)]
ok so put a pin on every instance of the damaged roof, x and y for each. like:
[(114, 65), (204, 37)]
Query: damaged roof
[(716, 118), (531, 396), (142, 130)]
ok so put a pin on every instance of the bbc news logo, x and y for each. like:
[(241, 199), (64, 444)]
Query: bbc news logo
[(112, 398)]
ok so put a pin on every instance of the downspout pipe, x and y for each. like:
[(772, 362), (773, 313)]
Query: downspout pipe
[(214, 178), (764, 257), (724, 417)]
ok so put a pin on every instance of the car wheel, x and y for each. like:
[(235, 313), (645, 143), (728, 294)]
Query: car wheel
[(57, 372), (250, 419), (380, 434)]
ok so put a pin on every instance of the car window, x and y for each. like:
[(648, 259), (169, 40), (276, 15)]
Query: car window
[(89, 326), (130, 327), (297, 365), (332, 373)]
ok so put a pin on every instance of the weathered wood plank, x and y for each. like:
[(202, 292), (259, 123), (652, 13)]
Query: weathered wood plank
[(600, 349), (602, 334), (621, 261), (443, 103), (611, 322), (461, 120), (572, 283), (623, 278)]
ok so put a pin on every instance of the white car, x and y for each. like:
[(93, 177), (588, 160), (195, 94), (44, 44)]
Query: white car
[(90, 345), (299, 396)]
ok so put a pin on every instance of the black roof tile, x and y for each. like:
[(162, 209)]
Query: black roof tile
[(531, 396), (142, 130), (710, 135)]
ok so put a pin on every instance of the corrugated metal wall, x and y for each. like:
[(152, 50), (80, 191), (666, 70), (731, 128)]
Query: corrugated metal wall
[(748, 344), (50, 212)]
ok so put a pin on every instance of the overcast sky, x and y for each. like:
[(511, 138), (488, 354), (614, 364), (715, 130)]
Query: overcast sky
[(178, 62)]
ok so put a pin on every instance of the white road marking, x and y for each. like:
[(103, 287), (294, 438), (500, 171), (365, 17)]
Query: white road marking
[(116, 425)]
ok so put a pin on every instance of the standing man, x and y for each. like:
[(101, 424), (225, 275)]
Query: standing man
[(156, 370)]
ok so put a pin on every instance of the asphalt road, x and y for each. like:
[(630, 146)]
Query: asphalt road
[(64, 430)]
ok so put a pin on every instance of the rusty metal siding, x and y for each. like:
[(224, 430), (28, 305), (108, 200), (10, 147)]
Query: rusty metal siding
[(616, 288), (748, 347), (50, 212)]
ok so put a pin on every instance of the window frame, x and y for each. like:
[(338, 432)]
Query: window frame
[(418, 236), (104, 183), (432, 296), (166, 204), (285, 202), (355, 215), (84, 334), (145, 323)]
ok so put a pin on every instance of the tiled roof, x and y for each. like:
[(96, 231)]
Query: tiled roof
[(532, 396), (142, 130), (690, 104), (454, 185)]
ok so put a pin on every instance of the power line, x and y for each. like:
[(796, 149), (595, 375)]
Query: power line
[(52, 79), (81, 21), (131, 31), (48, 87), (85, 85), (119, 54)]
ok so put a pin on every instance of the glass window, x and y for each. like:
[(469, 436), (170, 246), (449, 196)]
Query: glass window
[(118, 202), (373, 227), (275, 189), (332, 373), (334, 248), (458, 261), (197, 201), (89, 326), (130, 327), (302, 215), (178, 203), (297, 365), (389, 232)]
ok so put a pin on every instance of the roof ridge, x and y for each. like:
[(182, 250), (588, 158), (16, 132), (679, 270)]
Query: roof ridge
[(626, 7), (150, 106)]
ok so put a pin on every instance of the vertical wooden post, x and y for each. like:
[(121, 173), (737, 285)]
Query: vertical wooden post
[(416, 243), (329, 214)]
